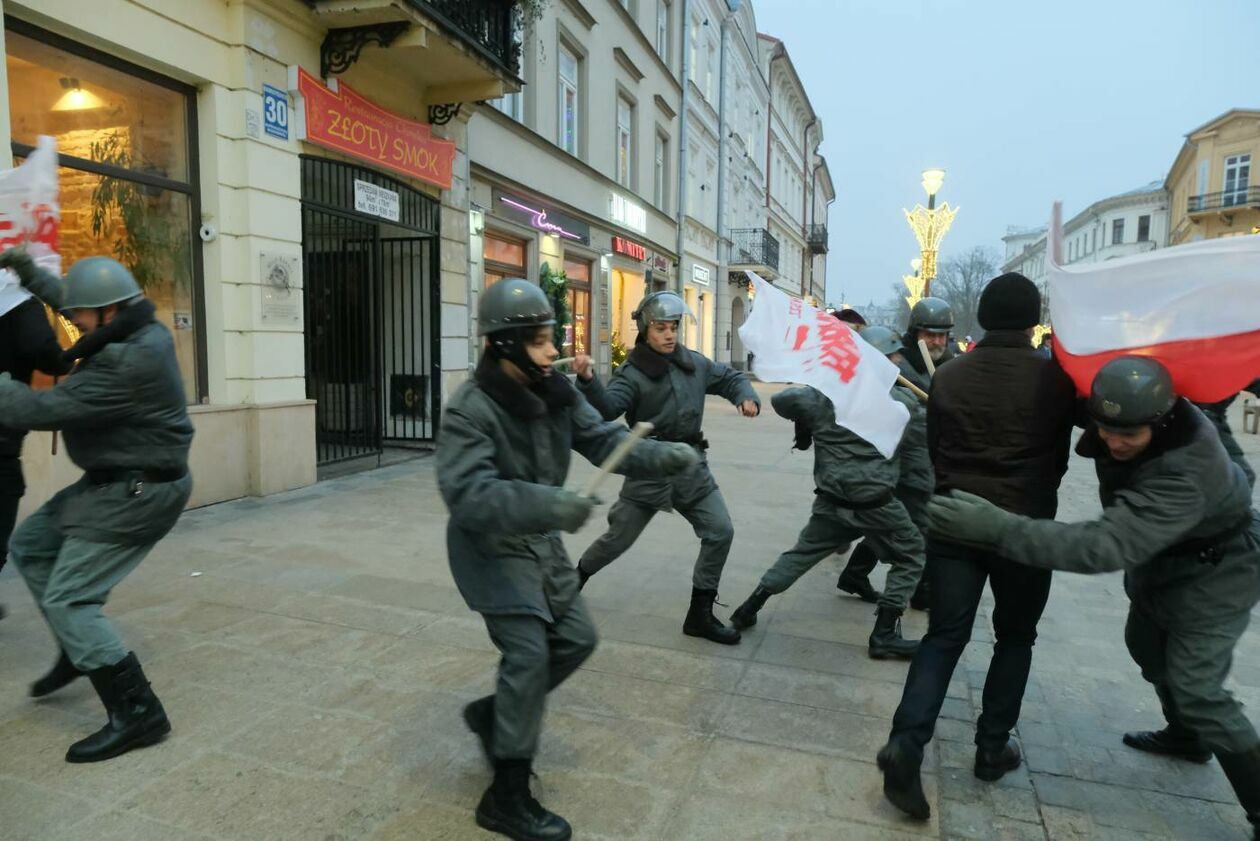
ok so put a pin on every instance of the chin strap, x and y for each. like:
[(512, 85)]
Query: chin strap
[(510, 344)]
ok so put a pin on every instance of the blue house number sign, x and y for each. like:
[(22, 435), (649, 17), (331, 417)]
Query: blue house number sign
[(275, 112)]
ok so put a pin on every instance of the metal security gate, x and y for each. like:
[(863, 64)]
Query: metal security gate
[(372, 298)]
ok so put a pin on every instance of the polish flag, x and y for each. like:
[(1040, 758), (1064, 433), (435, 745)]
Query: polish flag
[(793, 342), (1195, 308)]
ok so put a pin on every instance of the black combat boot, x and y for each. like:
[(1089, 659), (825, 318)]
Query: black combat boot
[(859, 585), (902, 785), (1173, 740), (1243, 772), (745, 616), (61, 674), (136, 717), (479, 716), (886, 640), (920, 600), (509, 809), (701, 622), (992, 765)]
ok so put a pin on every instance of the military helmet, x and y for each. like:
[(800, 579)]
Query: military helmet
[(513, 302), (95, 282), (661, 306), (933, 315), (1131, 391), (883, 339)]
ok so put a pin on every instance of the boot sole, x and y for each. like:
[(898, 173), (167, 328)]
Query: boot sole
[(1196, 758), (702, 635), (991, 773), (904, 802), (890, 655), (143, 741), (495, 825), (869, 599)]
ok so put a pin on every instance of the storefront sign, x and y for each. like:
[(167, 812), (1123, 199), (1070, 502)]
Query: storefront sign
[(338, 118), (629, 248), (700, 274), (660, 264), (625, 212), (549, 221), (375, 201)]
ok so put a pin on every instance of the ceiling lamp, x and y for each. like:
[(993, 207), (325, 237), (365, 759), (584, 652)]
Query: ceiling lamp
[(76, 98)]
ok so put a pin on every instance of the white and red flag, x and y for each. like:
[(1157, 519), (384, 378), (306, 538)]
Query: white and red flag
[(793, 342), (1195, 308), (29, 216)]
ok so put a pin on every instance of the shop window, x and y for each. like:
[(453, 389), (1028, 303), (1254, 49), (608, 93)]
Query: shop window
[(504, 257), (126, 139), (577, 332)]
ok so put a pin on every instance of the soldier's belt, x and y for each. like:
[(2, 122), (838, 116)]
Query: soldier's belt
[(1209, 550), (108, 477), (698, 441)]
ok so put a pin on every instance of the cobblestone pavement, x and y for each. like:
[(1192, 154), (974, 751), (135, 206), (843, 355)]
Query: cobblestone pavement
[(314, 655)]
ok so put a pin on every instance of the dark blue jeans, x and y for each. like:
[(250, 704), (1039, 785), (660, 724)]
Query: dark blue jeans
[(956, 575)]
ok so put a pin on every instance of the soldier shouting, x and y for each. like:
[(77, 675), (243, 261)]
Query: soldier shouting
[(666, 384)]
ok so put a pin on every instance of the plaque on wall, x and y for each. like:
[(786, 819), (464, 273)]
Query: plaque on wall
[(281, 300)]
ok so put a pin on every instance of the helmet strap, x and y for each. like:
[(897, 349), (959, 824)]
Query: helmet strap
[(512, 345)]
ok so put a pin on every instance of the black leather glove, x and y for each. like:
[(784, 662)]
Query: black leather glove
[(570, 511), (673, 457), (966, 518)]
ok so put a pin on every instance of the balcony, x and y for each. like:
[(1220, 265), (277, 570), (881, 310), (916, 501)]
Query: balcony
[(488, 26), (816, 239), (754, 249), (1224, 202)]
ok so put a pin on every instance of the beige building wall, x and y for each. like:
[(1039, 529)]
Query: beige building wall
[(1197, 178)]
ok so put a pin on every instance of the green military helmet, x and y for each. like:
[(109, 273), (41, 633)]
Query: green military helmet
[(883, 339), (513, 302), (933, 315), (1131, 391), (661, 306), (95, 282)]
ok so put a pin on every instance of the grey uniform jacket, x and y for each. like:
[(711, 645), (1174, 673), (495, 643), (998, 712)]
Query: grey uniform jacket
[(847, 469), (669, 392), (913, 455), (123, 409), (502, 455), (1160, 512)]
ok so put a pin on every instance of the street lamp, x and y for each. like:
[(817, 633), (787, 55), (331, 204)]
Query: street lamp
[(913, 282), (930, 224)]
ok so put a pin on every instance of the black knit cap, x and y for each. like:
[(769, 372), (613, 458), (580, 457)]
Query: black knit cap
[(1009, 302), (851, 316)]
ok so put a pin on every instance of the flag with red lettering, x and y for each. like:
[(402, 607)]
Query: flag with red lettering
[(793, 342), (29, 215), (1194, 307)]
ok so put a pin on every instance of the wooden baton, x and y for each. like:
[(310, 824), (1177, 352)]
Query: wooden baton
[(918, 392), (640, 431), (927, 358)]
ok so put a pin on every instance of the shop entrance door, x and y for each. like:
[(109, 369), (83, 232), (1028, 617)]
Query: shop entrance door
[(370, 286)]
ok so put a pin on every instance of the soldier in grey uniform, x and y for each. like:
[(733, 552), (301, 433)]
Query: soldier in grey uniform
[(1177, 518), (915, 482), (1217, 413), (931, 319), (123, 415), (666, 384), (854, 497), (502, 459)]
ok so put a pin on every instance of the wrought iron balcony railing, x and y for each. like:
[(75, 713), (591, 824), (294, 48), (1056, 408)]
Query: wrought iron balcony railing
[(816, 239), (488, 26), (754, 248), (1240, 198)]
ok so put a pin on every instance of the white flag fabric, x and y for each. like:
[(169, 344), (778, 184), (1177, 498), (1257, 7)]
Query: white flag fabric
[(29, 214), (793, 342), (1194, 307)]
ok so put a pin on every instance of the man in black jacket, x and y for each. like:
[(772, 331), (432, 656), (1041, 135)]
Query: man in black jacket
[(27, 344), (999, 425)]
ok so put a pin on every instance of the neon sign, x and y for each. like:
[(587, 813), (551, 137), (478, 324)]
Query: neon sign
[(538, 219), (630, 248)]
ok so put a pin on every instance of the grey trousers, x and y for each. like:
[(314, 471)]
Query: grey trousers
[(537, 657), (831, 528), (708, 517), (71, 580), (865, 556), (1183, 641)]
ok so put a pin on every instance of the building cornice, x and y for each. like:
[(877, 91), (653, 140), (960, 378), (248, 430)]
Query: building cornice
[(581, 13), (647, 45), (626, 64)]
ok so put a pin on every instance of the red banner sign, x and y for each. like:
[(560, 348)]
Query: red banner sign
[(338, 118), (629, 247)]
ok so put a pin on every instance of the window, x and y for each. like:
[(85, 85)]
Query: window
[(1117, 232), (660, 173), (709, 67), (1144, 228), (1237, 173), (504, 257), (625, 141), (126, 140), (695, 48), (509, 104), (662, 29), (569, 73), (1094, 246), (577, 331)]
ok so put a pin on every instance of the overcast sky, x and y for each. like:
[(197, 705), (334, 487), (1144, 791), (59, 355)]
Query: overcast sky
[(1020, 102)]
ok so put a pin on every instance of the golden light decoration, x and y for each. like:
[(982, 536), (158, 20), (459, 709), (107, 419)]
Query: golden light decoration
[(1039, 331), (930, 224), (914, 283)]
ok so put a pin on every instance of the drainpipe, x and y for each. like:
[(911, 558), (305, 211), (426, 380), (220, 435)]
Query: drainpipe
[(806, 199), (683, 147), (724, 146)]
